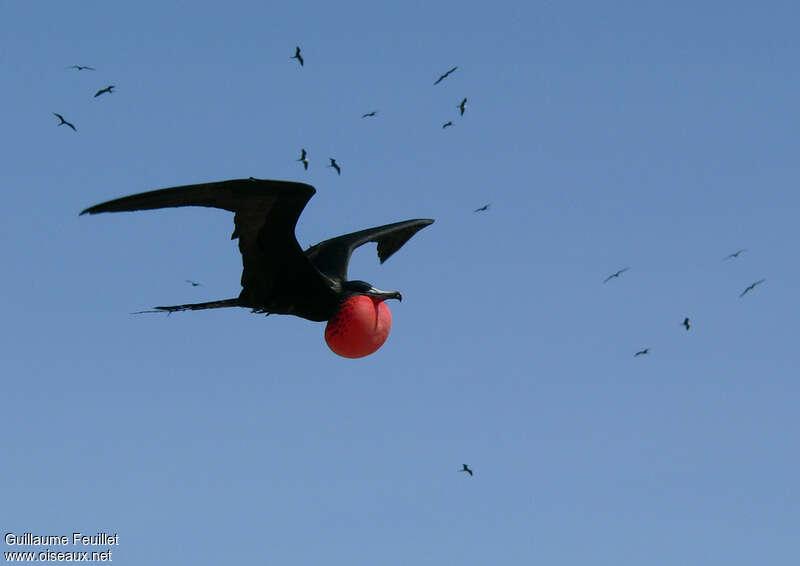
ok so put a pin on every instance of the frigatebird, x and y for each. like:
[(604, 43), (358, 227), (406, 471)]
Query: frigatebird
[(444, 76), (751, 287), (63, 121), (447, 124), (303, 158), (335, 166), (642, 352), (297, 55), (617, 274), (465, 469), (369, 114), (278, 276), (103, 90), (686, 323), (82, 67), (463, 106), (193, 283), (483, 208), (734, 254)]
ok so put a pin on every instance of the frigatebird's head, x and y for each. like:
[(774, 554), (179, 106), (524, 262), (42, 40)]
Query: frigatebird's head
[(363, 321)]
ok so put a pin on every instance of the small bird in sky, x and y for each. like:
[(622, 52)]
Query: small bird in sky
[(465, 469), (194, 283), (103, 90), (297, 55), (444, 76), (335, 166), (734, 254), (63, 121), (368, 114), (686, 323), (303, 158), (751, 287), (617, 274), (483, 208), (463, 106), (447, 125), (642, 352), (82, 67)]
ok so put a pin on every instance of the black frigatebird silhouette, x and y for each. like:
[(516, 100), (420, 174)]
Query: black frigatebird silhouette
[(751, 287), (63, 121), (297, 55), (465, 468), (369, 114), (193, 283), (447, 125), (483, 208), (82, 67), (335, 166), (278, 276), (103, 90), (642, 352), (444, 76), (463, 106), (617, 274), (686, 323), (734, 254), (303, 159)]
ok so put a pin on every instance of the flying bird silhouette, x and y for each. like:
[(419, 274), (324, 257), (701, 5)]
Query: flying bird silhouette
[(751, 287), (447, 124), (103, 90), (465, 469), (63, 121), (278, 276), (686, 323), (335, 166), (734, 254), (463, 106), (82, 67), (617, 274), (642, 352), (444, 76), (483, 208), (369, 114), (193, 283), (297, 55), (303, 159)]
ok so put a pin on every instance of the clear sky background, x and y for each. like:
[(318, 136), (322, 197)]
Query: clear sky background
[(656, 136)]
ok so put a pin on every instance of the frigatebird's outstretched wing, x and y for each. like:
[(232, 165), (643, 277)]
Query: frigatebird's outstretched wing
[(332, 256), (266, 212)]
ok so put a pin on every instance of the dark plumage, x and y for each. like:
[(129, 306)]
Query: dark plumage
[(369, 114), (82, 67), (444, 76), (734, 254), (447, 124), (751, 287), (463, 106), (104, 90), (617, 274), (297, 55), (465, 468), (335, 166), (686, 323), (278, 276), (63, 122), (194, 283), (642, 352), (303, 158), (483, 208)]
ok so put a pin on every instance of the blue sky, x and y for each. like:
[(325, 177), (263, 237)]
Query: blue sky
[(659, 137)]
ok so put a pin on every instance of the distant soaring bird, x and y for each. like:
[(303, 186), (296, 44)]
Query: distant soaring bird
[(734, 254), (335, 166), (297, 55), (751, 287), (278, 276), (303, 159), (617, 274), (465, 469), (103, 90), (447, 125), (642, 352), (194, 283), (369, 114), (63, 121), (483, 208), (82, 67), (463, 106), (686, 323), (444, 76)]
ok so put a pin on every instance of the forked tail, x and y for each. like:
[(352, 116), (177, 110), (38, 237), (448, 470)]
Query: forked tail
[(196, 306)]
